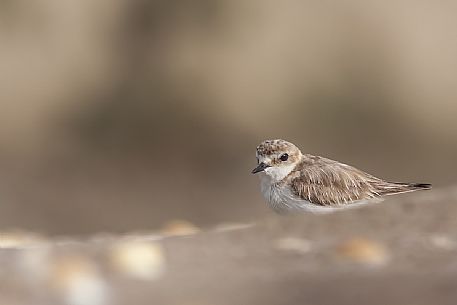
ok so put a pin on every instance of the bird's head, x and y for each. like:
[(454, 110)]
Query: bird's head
[(276, 159)]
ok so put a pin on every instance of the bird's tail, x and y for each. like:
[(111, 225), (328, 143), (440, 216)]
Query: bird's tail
[(400, 187), (420, 186)]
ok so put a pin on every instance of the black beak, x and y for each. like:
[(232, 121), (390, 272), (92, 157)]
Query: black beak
[(261, 167)]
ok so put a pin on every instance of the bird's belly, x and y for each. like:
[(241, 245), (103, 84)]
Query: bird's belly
[(282, 201)]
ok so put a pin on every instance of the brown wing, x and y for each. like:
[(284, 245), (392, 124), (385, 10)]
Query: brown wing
[(329, 183)]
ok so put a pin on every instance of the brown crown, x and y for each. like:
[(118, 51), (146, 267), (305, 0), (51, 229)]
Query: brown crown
[(269, 147)]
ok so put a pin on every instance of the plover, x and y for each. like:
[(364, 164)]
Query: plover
[(291, 181)]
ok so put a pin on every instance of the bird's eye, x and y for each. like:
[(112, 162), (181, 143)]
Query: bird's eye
[(284, 157)]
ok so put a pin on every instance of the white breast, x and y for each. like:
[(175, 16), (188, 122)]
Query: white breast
[(281, 199)]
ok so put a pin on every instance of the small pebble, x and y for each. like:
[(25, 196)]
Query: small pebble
[(179, 228), (138, 259), (77, 280), (293, 244), (227, 227), (19, 240), (364, 251)]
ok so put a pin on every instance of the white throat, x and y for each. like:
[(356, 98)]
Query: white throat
[(277, 173)]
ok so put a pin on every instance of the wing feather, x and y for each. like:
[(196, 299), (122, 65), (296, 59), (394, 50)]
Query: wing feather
[(329, 183)]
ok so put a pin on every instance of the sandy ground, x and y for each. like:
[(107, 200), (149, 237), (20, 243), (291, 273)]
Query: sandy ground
[(402, 251)]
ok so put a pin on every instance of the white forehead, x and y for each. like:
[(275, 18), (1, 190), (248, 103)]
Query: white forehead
[(264, 159)]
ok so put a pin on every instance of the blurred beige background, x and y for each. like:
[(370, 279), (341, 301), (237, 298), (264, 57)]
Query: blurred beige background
[(121, 115)]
